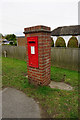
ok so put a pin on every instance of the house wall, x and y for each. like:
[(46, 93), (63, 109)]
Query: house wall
[(79, 39), (21, 41)]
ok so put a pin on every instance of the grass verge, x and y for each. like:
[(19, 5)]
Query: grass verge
[(54, 102)]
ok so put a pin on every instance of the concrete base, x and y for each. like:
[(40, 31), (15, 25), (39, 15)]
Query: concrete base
[(60, 85)]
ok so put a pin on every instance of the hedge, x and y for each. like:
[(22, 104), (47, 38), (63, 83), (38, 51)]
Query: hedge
[(60, 42), (73, 42), (52, 42)]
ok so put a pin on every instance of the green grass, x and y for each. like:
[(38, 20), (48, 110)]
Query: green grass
[(55, 103), (64, 75)]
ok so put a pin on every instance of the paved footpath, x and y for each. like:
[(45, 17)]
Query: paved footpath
[(15, 104)]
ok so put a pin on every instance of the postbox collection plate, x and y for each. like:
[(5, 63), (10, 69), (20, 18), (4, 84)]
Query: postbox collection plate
[(32, 43)]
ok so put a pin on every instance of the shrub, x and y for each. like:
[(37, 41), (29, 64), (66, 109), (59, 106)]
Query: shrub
[(73, 42), (11, 43), (52, 42), (15, 43), (60, 42)]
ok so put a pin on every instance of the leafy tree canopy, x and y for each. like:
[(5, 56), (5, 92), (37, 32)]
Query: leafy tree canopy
[(11, 37)]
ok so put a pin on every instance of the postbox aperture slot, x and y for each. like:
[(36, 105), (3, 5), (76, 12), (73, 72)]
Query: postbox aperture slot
[(31, 41)]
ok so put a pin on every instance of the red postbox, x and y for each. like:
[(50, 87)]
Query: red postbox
[(33, 51)]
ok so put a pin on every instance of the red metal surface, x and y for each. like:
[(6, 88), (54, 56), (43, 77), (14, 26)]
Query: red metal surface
[(33, 51)]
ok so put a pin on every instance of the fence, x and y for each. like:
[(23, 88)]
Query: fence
[(60, 57), (65, 58), (18, 52)]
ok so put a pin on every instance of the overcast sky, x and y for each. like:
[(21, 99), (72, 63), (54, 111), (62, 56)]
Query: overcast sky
[(15, 15)]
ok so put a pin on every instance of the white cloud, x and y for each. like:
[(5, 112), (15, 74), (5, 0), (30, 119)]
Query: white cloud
[(17, 14)]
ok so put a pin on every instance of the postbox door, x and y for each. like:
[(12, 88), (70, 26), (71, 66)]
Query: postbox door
[(33, 51)]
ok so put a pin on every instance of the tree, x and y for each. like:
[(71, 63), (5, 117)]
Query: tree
[(1, 36), (11, 43), (11, 37), (52, 42), (73, 42), (60, 42)]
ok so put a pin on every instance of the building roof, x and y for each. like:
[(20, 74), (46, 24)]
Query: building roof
[(66, 30), (20, 36)]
